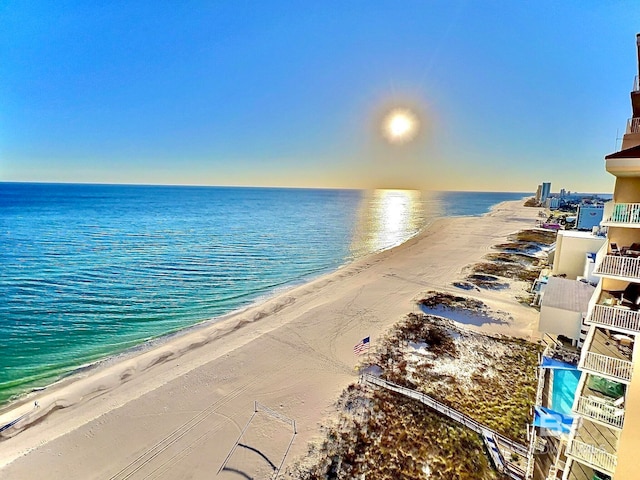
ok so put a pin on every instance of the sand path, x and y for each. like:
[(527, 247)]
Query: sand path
[(176, 410)]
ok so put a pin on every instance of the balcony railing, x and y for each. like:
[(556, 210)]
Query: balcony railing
[(619, 266), (594, 456), (616, 317), (633, 125), (636, 84), (625, 213), (605, 365), (600, 410)]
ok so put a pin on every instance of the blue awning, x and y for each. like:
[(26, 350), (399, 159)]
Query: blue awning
[(548, 362), (552, 420)]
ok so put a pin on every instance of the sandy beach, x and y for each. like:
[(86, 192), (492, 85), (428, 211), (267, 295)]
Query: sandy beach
[(176, 410)]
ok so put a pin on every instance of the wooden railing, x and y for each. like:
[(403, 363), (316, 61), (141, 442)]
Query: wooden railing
[(603, 364), (600, 410), (594, 456), (625, 212), (619, 266), (615, 317)]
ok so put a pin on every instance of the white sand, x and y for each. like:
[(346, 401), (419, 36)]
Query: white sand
[(175, 411)]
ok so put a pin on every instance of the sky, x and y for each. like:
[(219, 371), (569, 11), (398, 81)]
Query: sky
[(292, 93)]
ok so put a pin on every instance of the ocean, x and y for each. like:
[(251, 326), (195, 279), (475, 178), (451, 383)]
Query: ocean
[(88, 271)]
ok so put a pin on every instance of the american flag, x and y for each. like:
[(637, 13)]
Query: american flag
[(362, 346)]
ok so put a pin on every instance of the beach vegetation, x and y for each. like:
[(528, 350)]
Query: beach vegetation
[(507, 270), (394, 438), (521, 258), (381, 434), (545, 237)]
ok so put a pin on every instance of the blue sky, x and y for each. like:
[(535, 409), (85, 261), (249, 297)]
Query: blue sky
[(510, 93)]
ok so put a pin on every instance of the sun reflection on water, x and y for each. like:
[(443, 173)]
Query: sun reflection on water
[(388, 218)]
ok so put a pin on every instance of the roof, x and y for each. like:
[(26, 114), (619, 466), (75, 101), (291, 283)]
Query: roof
[(633, 152), (579, 234), (566, 294)]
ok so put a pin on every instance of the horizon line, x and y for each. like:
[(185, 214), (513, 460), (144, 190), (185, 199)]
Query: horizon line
[(250, 186)]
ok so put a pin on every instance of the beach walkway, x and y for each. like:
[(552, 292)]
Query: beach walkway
[(490, 437)]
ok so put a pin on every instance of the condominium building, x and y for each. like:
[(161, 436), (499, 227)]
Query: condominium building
[(546, 191), (604, 438)]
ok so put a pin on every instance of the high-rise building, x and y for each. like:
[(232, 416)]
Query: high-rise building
[(604, 438), (546, 191)]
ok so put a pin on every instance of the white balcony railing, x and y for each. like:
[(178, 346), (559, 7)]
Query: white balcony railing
[(600, 410), (619, 266), (636, 84), (633, 125), (594, 456), (615, 317), (605, 365), (625, 213)]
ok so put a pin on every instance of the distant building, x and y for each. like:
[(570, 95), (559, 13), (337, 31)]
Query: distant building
[(589, 216), (552, 203), (546, 191), (539, 193)]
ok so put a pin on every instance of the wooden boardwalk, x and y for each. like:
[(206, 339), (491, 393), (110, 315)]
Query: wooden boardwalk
[(491, 437)]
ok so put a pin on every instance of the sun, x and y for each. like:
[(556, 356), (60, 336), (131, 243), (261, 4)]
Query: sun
[(400, 125)]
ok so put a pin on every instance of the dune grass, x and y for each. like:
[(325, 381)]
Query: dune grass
[(392, 437), (516, 259), (380, 434), (545, 237)]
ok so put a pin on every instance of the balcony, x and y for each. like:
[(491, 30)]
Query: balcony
[(600, 410), (617, 317), (595, 445), (611, 367), (624, 215), (620, 266), (608, 355), (579, 471), (635, 95), (633, 125), (594, 457)]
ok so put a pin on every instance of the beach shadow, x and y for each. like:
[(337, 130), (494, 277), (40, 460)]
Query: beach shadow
[(466, 317), (255, 450), (239, 472), (244, 474), (465, 285)]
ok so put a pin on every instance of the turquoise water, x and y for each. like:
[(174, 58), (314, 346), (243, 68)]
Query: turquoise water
[(565, 384), (87, 271)]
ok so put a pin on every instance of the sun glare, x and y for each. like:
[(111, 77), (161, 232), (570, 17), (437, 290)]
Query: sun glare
[(387, 218), (400, 126)]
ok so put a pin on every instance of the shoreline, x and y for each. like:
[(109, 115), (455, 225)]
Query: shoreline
[(146, 345), (123, 381), (149, 344), (91, 360)]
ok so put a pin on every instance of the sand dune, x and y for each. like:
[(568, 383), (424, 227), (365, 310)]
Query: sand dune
[(176, 409)]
